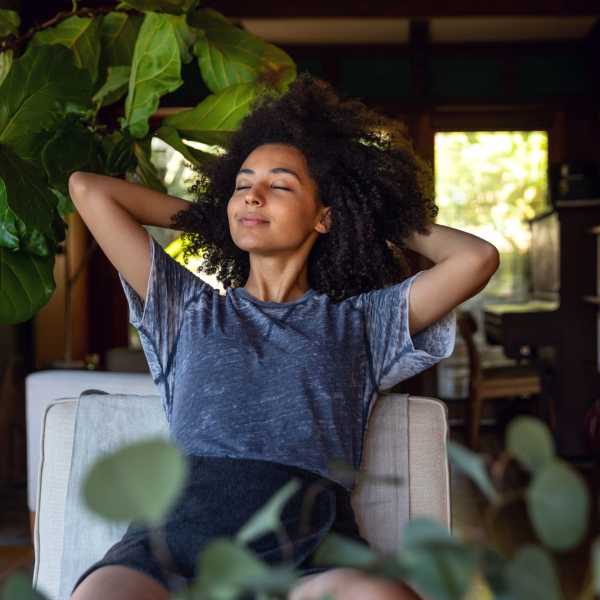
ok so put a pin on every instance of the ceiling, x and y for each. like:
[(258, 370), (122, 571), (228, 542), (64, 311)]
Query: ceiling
[(338, 30)]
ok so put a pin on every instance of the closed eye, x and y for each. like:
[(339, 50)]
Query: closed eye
[(274, 187)]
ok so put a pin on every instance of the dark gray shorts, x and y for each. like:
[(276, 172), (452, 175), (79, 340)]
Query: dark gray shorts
[(220, 496)]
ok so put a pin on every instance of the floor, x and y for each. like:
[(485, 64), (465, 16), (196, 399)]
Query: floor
[(468, 507)]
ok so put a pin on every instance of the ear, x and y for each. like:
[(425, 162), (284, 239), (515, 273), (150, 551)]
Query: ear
[(324, 224)]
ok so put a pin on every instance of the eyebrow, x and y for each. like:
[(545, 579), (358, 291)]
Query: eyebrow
[(274, 170)]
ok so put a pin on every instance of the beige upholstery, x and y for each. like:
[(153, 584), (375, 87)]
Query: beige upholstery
[(376, 505)]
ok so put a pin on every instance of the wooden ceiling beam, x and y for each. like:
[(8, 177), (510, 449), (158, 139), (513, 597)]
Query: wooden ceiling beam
[(410, 9)]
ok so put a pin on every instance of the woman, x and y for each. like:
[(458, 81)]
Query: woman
[(303, 220)]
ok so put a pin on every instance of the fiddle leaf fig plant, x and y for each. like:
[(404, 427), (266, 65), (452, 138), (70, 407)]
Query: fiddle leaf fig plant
[(79, 93), (142, 481)]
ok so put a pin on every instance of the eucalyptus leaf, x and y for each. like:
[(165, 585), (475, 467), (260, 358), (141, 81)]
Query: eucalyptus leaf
[(26, 284), (6, 61), (228, 55), (268, 518), (29, 221), (81, 35), (42, 85), (18, 587), (155, 71), (531, 574), (139, 482), (558, 505), (437, 564), (530, 442), (473, 465), (226, 568), (493, 569), (115, 86), (341, 551), (218, 116), (118, 34), (10, 21)]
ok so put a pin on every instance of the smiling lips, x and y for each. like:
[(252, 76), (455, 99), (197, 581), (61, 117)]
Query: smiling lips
[(250, 222)]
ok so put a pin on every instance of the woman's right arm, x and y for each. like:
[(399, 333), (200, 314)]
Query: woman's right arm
[(114, 211)]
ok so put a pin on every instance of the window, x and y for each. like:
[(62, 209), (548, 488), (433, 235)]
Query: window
[(489, 183)]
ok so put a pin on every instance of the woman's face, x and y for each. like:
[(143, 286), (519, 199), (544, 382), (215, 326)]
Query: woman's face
[(274, 184)]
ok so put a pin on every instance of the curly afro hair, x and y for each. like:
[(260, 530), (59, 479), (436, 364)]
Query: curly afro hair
[(365, 168)]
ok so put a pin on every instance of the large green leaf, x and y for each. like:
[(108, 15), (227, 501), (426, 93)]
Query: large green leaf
[(118, 150), (115, 86), (558, 504), (146, 170), (138, 482), (73, 147), (531, 574), (530, 442), (6, 61), (28, 218), (10, 22), (228, 55), (118, 34), (174, 7), (81, 35), (26, 284), (171, 136), (217, 116), (186, 36), (155, 71), (42, 85)]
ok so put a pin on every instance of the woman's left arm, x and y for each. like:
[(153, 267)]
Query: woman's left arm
[(464, 265)]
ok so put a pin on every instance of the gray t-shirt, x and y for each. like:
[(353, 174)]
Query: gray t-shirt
[(290, 382)]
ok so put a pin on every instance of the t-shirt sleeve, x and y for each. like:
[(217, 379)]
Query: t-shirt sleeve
[(395, 355), (158, 320)]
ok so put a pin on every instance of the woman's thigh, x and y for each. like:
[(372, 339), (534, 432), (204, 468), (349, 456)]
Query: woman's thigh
[(118, 582)]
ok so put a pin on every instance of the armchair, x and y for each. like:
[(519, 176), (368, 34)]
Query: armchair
[(406, 437)]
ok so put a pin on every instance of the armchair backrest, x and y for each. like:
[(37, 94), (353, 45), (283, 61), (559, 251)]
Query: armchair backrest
[(406, 437)]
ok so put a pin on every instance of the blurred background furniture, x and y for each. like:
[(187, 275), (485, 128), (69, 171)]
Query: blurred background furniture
[(12, 421), (495, 382), (407, 436), (557, 325)]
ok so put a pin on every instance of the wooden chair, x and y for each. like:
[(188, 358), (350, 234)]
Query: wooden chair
[(488, 383)]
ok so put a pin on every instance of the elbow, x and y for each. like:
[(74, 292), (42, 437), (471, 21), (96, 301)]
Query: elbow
[(491, 258), (78, 184)]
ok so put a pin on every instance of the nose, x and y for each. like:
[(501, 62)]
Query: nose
[(251, 197)]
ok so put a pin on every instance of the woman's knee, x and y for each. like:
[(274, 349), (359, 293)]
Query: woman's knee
[(118, 582), (350, 584), (312, 587)]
